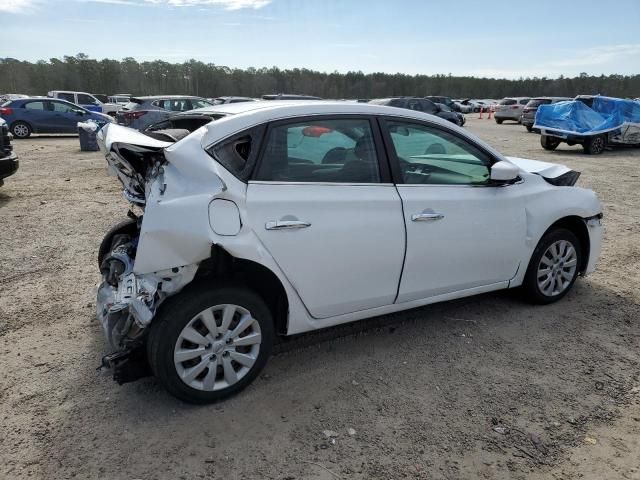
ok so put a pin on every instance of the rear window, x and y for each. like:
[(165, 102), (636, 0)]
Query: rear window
[(239, 153), (507, 101), (536, 102)]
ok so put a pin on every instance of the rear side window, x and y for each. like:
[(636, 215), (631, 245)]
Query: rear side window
[(322, 151), (34, 106), (69, 97), (239, 153), (507, 101), (524, 101)]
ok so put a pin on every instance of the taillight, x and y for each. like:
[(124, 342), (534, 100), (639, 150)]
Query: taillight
[(514, 106), (134, 115), (5, 111)]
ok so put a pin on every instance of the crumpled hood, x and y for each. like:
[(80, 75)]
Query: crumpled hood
[(544, 169)]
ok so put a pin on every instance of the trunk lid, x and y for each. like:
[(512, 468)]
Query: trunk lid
[(133, 157)]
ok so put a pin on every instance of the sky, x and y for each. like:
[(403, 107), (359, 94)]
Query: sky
[(489, 38)]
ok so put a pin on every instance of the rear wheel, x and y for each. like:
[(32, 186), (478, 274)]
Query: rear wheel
[(126, 227), (499, 121), (21, 129), (208, 343), (529, 129), (594, 145), (549, 143), (553, 268)]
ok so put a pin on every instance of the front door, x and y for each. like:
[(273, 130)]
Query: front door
[(462, 232), (328, 214)]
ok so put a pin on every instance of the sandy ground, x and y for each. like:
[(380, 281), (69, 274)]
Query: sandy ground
[(485, 387)]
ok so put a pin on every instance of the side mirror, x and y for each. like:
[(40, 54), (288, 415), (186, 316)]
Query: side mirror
[(504, 172)]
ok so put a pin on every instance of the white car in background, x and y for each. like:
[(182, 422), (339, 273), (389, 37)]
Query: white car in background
[(285, 217)]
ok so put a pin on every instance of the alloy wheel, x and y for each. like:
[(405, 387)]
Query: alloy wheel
[(557, 268), (217, 347), (21, 130)]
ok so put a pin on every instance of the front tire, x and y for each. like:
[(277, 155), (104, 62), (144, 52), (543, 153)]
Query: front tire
[(553, 268), (549, 143), (529, 129), (208, 343), (21, 129)]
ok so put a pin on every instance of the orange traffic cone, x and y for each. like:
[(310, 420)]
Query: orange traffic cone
[(480, 113)]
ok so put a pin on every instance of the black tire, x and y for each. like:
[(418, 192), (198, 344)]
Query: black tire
[(178, 311), (530, 287), (549, 143), (499, 121), (21, 129), (595, 145), (529, 129), (128, 227)]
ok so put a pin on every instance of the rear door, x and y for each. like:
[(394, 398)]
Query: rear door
[(322, 203), (36, 114)]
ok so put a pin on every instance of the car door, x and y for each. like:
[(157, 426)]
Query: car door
[(462, 231), (36, 115), (322, 204), (65, 116)]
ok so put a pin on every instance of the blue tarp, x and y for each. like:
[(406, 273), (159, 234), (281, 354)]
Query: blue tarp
[(606, 114)]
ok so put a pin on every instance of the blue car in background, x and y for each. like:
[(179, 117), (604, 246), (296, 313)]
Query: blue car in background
[(46, 115)]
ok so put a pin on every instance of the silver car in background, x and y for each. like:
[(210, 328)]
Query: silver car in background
[(141, 112), (510, 108)]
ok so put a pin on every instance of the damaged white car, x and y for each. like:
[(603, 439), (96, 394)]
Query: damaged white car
[(280, 218)]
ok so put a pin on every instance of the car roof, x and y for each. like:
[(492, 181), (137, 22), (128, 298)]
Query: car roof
[(169, 97)]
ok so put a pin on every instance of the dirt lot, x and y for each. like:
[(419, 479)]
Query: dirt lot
[(485, 387)]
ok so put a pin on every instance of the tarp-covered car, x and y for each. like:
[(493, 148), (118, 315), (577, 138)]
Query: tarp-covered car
[(593, 122)]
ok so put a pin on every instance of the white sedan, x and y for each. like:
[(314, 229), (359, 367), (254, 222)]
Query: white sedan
[(279, 218)]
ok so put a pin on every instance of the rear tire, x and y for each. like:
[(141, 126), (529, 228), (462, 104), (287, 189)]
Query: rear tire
[(196, 356), (529, 129), (21, 129), (499, 121), (127, 227), (595, 145), (549, 143), (553, 268)]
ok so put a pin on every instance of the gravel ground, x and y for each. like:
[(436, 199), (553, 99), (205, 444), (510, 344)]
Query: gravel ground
[(484, 387)]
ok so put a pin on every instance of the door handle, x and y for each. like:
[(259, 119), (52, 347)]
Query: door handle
[(286, 225), (427, 217)]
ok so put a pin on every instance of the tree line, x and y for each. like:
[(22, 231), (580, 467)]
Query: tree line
[(81, 73)]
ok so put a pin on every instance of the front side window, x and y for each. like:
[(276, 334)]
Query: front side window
[(62, 107), (431, 156), (323, 151)]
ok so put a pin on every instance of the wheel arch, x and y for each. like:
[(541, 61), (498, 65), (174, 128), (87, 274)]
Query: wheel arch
[(221, 266), (33, 130), (578, 227)]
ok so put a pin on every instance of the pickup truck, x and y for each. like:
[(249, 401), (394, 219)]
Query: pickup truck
[(86, 100), (8, 158)]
